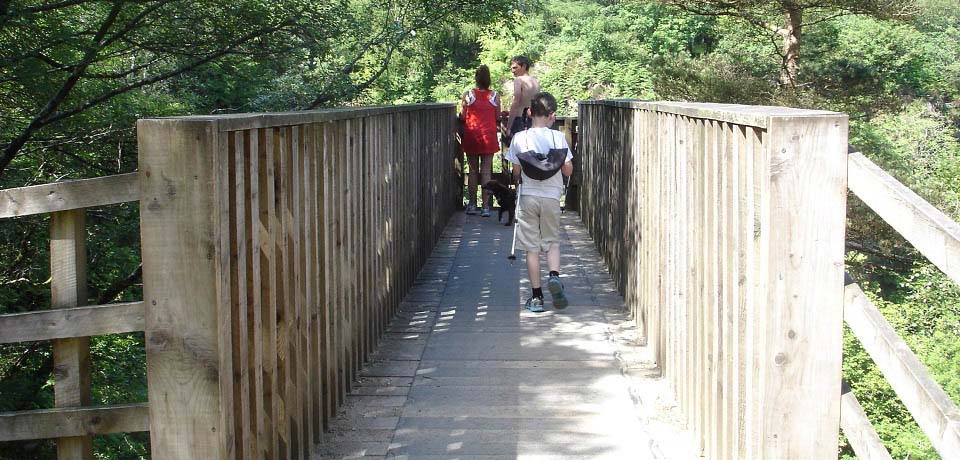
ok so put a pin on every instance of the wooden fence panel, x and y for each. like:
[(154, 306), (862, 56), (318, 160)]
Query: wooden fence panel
[(276, 247), (300, 233), (740, 211), (69, 324)]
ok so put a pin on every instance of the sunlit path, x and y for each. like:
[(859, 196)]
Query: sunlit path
[(464, 372)]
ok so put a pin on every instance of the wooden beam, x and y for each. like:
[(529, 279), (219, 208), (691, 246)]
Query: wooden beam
[(67, 323), (71, 356), (931, 231), (242, 121), (803, 327), (748, 115), (73, 421), (856, 426), (69, 195), (932, 408), (188, 360)]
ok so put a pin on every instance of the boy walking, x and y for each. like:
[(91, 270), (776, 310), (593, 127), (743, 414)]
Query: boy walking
[(539, 156)]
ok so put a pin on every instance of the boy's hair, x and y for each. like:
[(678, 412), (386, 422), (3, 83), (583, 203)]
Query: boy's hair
[(482, 77), (543, 104), (522, 61)]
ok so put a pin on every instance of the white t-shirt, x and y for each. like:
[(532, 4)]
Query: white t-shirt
[(540, 140)]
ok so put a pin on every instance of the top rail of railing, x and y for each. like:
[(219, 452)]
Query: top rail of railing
[(69, 195), (748, 115), (233, 122)]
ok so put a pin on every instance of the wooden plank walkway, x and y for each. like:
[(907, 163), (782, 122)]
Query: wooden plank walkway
[(464, 372)]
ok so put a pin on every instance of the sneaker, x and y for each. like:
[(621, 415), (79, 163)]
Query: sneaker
[(535, 304), (556, 292), (471, 210), (485, 212)]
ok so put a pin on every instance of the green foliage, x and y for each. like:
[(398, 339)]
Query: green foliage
[(75, 77), (898, 79), (923, 305)]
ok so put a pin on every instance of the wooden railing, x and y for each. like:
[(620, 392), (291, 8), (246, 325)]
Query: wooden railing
[(69, 322), (570, 129), (275, 249), (937, 237), (723, 226)]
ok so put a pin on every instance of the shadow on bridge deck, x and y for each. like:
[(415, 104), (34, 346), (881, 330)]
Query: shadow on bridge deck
[(464, 372)]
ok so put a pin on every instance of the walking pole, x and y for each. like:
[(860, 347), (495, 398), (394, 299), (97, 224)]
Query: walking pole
[(516, 222), (563, 204)]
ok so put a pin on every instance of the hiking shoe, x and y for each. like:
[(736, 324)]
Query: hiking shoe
[(535, 304), (471, 210), (556, 292), (485, 212)]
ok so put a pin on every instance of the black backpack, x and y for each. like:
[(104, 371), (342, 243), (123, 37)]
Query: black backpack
[(542, 166)]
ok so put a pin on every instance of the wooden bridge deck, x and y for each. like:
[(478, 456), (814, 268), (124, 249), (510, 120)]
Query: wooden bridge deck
[(465, 373)]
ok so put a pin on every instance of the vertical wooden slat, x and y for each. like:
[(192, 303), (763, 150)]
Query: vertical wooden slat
[(297, 302), (330, 213), (268, 287), (344, 326), (370, 288), (356, 304), (232, 418), (383, 137), (713, 293), (238, 291), (285, 298), (744, 225), (350, 250), (71, 357), (686, 229), (728, 289), (254, 329), (700, 207), (315, 359), (305, 399), (755, 171), (323, 300)]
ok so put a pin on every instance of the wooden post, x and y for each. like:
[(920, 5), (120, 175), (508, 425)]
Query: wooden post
[(185, 332), (804, 303), (71, 357)]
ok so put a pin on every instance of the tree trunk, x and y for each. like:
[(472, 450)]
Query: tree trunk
[(791, 46)]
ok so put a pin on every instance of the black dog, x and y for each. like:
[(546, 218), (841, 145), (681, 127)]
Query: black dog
[(506, 197)]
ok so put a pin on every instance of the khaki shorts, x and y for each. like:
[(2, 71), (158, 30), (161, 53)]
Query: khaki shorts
[(539, 221)]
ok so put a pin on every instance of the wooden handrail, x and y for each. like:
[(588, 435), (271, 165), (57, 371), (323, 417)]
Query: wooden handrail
[(757, 116), (69, 195), (73, 422), (937, 237), (71, 322), (856, 426), (932, 408), (931, 231)]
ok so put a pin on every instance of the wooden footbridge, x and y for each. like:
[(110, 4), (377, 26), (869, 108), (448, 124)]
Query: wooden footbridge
[(278, 251)]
